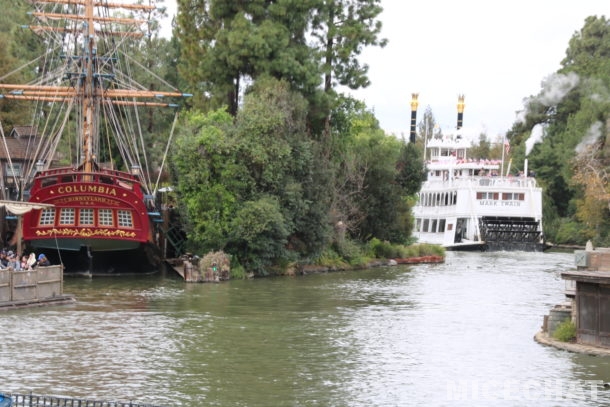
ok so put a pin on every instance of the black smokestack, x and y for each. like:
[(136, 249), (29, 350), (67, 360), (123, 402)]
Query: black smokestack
[(413, 116), (460, 107)]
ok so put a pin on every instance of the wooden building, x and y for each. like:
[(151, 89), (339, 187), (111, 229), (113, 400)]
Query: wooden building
[(16, 159), (590, 295)]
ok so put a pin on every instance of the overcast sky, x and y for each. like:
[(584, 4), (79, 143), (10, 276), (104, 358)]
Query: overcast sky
[(495, 53)]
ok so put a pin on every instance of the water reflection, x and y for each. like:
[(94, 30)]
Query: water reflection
[(382, 337)]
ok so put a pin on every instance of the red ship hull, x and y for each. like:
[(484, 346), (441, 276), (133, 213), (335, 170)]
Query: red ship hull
[(95, 214)]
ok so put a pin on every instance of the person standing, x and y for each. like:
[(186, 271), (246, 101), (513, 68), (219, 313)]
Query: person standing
[(43, 261)]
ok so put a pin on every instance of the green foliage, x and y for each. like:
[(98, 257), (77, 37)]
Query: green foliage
[(574, 107), (330, 258), (244, 41), (387, 250), (565, 331), (258, 234), (372, 175), (248, 186), (238, 272), (350, 251), (341, 31), (570, 232), (18, 46), (411, 169)]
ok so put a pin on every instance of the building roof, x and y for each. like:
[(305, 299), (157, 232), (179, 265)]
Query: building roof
[(587, 276), (21, 140)]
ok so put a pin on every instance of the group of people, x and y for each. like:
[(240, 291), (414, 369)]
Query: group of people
[(10, 259)]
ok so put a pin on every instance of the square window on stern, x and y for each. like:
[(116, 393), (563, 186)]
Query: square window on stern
[(125, 219), (47, 217), (104, 217), (66, 216), (85, 217)]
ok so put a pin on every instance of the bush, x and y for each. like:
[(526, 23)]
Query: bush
[(330, 258), (570, 232), (386, 250), (565, 331), (383, 249), (348, 250)]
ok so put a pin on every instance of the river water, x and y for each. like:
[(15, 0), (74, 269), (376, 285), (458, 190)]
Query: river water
[(458, 333)]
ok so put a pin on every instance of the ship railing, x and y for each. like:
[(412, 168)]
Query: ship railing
[(486, 181), (109, 177), (69, 170)]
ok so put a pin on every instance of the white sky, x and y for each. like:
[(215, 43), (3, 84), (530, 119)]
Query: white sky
[(495, 53)]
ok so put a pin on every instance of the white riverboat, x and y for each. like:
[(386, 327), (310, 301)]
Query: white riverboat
[(467, 204)]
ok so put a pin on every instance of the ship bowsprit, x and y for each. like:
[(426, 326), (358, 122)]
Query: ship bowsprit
[(511, 233)]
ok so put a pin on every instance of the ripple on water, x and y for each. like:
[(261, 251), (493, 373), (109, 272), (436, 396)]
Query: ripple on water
[(389, 336)]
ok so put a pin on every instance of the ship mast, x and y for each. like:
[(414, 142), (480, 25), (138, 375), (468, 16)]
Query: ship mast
[(88, 89), (90, 86)]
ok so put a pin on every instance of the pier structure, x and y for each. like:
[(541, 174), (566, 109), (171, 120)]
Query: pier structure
[(32, 288)]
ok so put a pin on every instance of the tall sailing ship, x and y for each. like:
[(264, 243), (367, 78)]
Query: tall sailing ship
[(89, 215), (467, 203)]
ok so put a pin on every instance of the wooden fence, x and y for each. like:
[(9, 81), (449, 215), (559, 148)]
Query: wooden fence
[(31, 400), (38, 285)]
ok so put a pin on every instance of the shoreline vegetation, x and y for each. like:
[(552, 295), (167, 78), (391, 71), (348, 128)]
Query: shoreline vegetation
[(376, 253), (216, 266)]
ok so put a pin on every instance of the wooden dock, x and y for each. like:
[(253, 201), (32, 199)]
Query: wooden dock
[(42, 286)]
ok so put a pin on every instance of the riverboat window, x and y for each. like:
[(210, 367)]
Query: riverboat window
[(510, 196), (426, 224), (66, 216), (124, 218), (47, 217), (85, 217), (434, 222), (104, 217), (441, 225), (418, 225), (488, 195)]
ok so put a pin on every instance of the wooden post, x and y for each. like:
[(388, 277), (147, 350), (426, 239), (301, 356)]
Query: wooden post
[(19, 234)]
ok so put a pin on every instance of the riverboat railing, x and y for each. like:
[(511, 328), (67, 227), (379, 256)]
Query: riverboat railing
[(32, 400), (486, 181)]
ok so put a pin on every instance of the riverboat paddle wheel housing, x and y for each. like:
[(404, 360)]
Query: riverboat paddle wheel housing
[(506, 233)]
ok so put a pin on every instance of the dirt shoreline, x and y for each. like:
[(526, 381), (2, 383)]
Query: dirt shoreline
[(543, 338)]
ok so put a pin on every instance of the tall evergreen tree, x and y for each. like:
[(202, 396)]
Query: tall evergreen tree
[(226, 45), (342, 28)]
